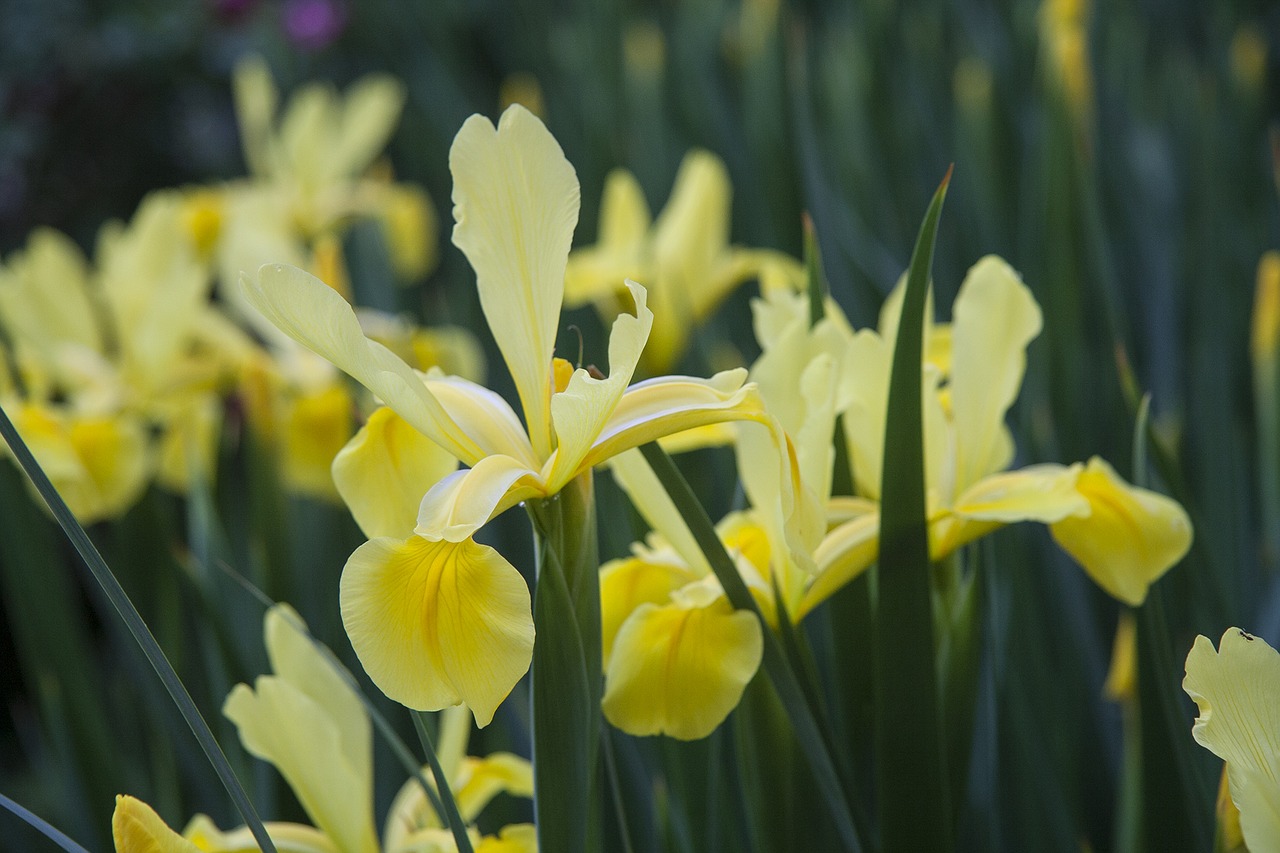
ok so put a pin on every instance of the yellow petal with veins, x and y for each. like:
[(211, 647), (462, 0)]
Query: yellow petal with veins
[(313, 314), (438, 623), (288, 838), (1237, 689), (516, 203), (681, 668), (581, 411), (384, 471), (1131, 537)]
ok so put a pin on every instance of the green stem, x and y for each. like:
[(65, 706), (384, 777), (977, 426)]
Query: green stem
[(808, 732), (567, 675), (41, 825), (914, 810), (141, 633), (450, 813)]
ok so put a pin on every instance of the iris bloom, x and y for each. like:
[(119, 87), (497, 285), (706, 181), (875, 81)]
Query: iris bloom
[(1237, 689), (308, 722), (121, 361), (435, 617), (683, 257), (677, 658), (1124, 537)]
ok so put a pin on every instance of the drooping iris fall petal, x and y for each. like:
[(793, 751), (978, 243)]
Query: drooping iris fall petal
[(438, 623)]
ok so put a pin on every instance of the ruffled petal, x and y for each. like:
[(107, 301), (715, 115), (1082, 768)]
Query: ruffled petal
[(461, 503), (315, 315), (681, 668), (1237, 689), (580, 411), (438, 623), (288, 838), (1131, 537), (995, 317), (136, 828), (384, 472), (515, 200)]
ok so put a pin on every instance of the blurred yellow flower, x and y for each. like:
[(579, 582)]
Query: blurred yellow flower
[(308, 722), (1237, 690), (437, 618), (683, 258)]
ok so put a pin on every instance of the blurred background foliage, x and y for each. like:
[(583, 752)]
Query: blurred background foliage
[(1117, 156)]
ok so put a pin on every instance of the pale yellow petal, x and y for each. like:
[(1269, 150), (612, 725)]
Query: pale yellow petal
[(313, 314), (317, 424), (255, 101), (516, 203), (437, 623), (581, 410), (1044, 493), (598, 272), (461, 503), (1131, 537), (482, 779), (483, 415), (384, 472), (995, 317), (44, 296), (870, 360), (515, 838), (288, 838), (627, 583), (846, 552), (681, 668), (307, 128), (1237, 689), (368, 117), (296, 728), (649, 410), (136, 828), (693, 229), (296, 659), (633, 474)]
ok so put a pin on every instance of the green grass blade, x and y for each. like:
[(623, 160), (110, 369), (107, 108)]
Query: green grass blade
[(914, 811), (451, 815), (45, 828), (776, 666), (141, 633)]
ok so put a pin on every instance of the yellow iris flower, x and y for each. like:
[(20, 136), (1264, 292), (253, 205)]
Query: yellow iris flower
[(677, 658), (437, 618), (121, 361), (1237, 689), (307, 721), (684, 257), (1124, 537)]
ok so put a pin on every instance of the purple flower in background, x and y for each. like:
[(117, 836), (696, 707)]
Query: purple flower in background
[(313, 24)]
